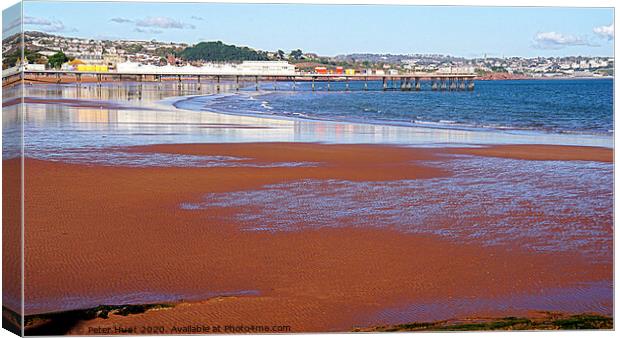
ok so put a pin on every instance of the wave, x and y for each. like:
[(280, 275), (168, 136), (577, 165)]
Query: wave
[(272, 104)]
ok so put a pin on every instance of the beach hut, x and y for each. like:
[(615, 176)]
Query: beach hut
[(320, 70)]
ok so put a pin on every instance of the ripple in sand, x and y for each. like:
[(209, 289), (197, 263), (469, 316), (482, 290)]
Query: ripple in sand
[(539, 205)]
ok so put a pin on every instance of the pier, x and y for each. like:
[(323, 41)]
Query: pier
[(397, 82)]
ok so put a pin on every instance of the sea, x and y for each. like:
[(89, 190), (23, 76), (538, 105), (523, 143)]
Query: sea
[(558, 106)]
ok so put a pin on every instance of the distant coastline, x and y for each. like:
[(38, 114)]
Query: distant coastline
[(508, 76)]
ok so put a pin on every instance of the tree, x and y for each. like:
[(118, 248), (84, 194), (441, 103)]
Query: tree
[(218, 51), (134, 48), (280, 54), (296, 54), (14, 58), (56, 60)]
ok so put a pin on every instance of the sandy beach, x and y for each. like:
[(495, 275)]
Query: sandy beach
[(300, 236), (120, 231)]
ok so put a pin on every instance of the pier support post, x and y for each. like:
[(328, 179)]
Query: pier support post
[(179, 78), (256, 82), (78, 79), (462, 84), (217, 87), (347, 83), (471, 85), (433, 83), (384, 84), (365, 84), (313, 84), (294, 84), (237, 86), (417, 84), (328, 82)]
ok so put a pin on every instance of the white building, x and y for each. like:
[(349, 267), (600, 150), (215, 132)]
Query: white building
[(244, 68), (456, 70), (267, 67), (34, 66)]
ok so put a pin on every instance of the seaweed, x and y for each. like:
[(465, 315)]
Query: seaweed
[(552, 321), (60, 323)]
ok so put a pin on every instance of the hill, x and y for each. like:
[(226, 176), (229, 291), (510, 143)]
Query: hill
[(219, 51)]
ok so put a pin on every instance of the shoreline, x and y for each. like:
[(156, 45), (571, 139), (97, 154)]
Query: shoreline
[(430, 134), (511, 135)]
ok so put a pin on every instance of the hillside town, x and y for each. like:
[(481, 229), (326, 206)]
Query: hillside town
[(112, 55)]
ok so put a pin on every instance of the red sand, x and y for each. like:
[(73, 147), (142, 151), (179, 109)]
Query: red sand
[(101, 231), (541, 152)]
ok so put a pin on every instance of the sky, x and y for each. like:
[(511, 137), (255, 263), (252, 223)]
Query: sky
[(339, 29)]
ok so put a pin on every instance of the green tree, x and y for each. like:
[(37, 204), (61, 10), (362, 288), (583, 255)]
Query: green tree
[(56, 60), (296, 54), (219, 51), (280, 54), (134, 48)]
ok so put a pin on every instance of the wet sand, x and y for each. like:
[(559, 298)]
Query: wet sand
[(541, 152), (71, 103), (105, 234)]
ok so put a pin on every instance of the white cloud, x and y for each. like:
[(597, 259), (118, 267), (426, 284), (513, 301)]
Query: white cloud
[(29, 20), (554, 40), (163, 22), (47, 25), (196, 18), (606, 32), (148, 30), (121, 20)]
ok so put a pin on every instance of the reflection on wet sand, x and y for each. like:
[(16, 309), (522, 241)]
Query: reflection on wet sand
[(137, 113)]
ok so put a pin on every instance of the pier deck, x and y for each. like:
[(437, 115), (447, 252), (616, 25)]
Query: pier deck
[(403, 82)]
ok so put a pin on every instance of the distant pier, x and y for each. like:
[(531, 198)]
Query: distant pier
[(399, 82)]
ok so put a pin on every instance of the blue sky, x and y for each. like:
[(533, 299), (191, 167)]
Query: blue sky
[(340, 29)]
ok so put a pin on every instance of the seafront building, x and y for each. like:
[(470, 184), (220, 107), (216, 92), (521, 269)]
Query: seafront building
[(246, 67)]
